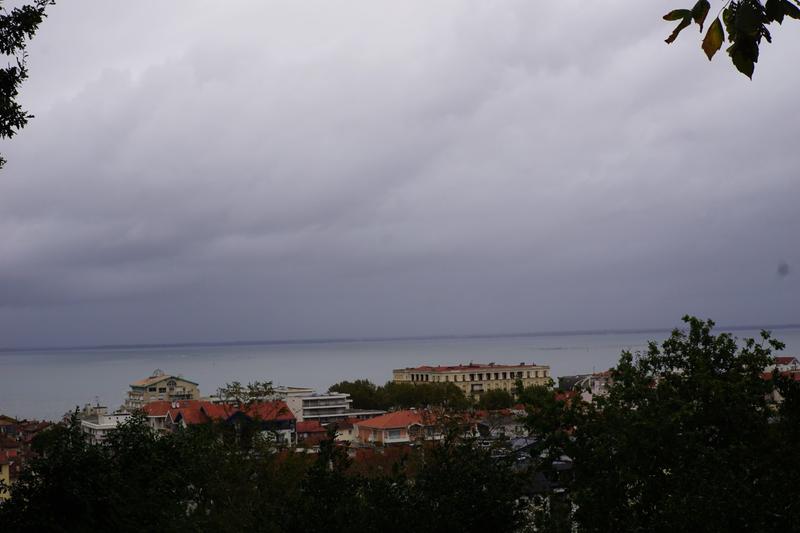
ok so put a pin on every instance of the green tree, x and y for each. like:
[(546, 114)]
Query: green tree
[(194, 480), (17, 27), (686, 439), (496, 399), (241, 395), (366, 395), (462, 488), (363, 392), (746, 23)]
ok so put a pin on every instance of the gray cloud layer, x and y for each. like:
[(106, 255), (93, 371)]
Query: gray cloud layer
[(202, 171)]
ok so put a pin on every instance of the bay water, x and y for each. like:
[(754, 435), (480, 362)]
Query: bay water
[(45, 384)]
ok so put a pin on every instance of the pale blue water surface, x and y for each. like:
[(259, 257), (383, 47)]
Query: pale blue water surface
[(46, 384)]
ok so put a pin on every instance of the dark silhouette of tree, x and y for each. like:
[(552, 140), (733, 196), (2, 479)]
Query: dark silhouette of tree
[(746, 23), (17, 27), (687, 438), (196, 480), (367, 395)]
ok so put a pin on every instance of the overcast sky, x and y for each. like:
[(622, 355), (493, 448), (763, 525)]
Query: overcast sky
[(202, 171)]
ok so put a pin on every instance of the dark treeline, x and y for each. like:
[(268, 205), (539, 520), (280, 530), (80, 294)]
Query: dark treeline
[(215, 478), (692, 435), (367, 395)]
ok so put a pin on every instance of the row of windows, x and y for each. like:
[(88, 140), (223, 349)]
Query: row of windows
[(481, 376)]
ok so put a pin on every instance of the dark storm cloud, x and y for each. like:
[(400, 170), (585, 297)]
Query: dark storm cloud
[(280, 170)]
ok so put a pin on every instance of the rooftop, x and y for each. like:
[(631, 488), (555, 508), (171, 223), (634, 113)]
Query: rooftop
[(396, 419), (310, 426), (471, 366), (158, 376)]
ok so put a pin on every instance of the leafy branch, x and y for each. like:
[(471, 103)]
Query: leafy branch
[(744, 21), (17, 27)]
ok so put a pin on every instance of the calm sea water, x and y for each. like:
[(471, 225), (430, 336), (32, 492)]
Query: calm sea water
[(47, 384)]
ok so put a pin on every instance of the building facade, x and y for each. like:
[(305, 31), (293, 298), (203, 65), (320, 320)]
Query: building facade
[(397, 427), (326, 407), (475, 379), (97, 425), (160, 387), (6, 463)]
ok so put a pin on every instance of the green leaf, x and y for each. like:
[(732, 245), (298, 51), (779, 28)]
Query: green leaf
[(744, 54), (713, 39), (791, 10), (774, 10), (748, 19), (700, 12), (674, 35), (678, 14), (727, 18)]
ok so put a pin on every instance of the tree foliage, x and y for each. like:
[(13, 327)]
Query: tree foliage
[(746, 23), (241, 395), (495, 399), (17, 27), (687, 439), (193, 480), (366, 395)]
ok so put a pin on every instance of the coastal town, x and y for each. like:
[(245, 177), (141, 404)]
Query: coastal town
[(296, 417)]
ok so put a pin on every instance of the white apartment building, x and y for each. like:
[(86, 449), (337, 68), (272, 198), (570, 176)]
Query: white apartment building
[(306, 404), (97, 425)]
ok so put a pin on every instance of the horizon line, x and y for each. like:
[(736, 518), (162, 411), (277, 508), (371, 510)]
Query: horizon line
[(344, 340)]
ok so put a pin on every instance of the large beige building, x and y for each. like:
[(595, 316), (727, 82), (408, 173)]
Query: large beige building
[(160, 386), (475, 379)]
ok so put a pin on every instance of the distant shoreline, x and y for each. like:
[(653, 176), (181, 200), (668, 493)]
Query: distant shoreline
[(346, 340)]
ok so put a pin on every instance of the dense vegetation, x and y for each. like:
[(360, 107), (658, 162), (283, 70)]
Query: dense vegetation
[(688, 438), (367, 395), (211, 478)]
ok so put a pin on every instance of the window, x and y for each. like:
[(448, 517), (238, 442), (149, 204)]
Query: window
[(394, 433), (497, 375), (162, 389), (472, 377), (504, 375), (151, 389)]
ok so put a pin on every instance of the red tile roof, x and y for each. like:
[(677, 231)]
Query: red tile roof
[(347, 423), (7, 443), (199, 412), (162, 407), (276, 410), (394, 420), (791, 374), (310, 426), (191, 414), (785, 360)]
